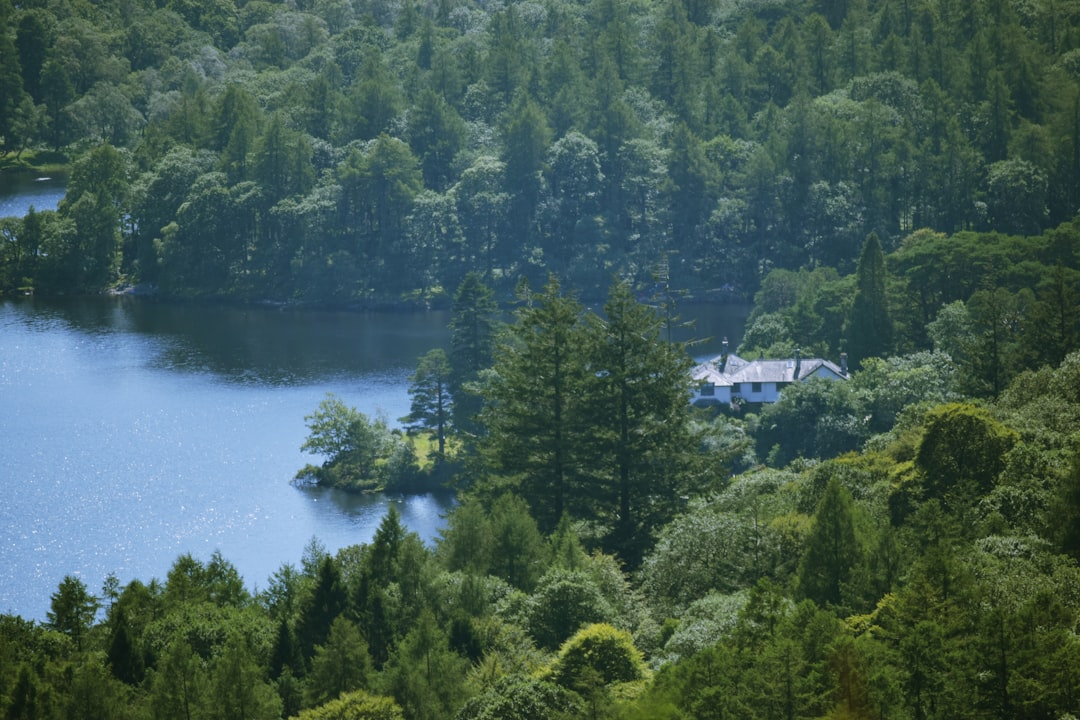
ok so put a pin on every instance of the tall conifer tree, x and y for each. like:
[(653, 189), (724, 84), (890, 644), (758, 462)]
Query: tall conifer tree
[(533, 405), (869, 329)]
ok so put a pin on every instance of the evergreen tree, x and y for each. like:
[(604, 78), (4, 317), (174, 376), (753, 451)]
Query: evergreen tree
[(328, 600), (72, 609), (533, 415), (638, 422), (869, 330), (341, 665), (429, 388), (833, 550), (472, 348)]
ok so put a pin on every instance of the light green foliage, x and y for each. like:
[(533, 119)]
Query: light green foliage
[(424, 675), (601, 649), (238, 688), (356, 705), (515, 697), (709, 620), (339, 666), (724, 545), (356, 447), (886, 386)]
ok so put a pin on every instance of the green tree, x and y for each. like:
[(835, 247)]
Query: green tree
[(639, 434), (564, 601), (868, 331), (351, 442), (600, 649), (833, 549), (1065, 511), (532, 415), (97, 200), (525, 135), (179, 685), (328, 600), (339, 666), (518, 553), (356, 705), (429, 388), (238, 689), (962, 453), (72, 609), (473, 328), (436, 134), (424, 675), (514, 697)]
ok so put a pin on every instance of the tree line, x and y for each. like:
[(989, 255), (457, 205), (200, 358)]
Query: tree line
[(931, 574), (362, 152)]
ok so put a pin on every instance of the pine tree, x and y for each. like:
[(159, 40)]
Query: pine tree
[(429, 388), (532, 413), (832, 548), (472, 348), (638, 421), (869, 329)]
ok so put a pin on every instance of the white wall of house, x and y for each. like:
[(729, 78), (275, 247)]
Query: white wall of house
[(708, 394), (764, 392)]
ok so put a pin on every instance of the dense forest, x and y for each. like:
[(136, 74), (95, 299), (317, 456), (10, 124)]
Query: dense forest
[(370, 151), (893, 179)]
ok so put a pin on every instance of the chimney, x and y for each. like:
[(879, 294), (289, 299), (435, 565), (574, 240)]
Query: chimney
[(724, 348), (798, 362), (843, 363)]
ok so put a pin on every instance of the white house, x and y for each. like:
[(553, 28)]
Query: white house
[(726, 378)]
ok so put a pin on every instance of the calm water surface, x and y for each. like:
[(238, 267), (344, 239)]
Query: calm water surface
[(133, 431), (21, 191)]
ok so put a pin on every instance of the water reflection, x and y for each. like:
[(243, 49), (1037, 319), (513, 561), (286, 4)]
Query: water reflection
[(422, 514), (21, 191), (257, 344)]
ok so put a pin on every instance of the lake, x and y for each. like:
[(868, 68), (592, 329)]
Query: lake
[(134, 431), (21, 191)]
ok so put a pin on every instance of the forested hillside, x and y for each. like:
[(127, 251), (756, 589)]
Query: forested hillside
[(895, 179), (336, 151)]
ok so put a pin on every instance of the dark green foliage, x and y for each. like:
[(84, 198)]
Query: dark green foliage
[(329, 598), (472, 347), (72, 609), (639, 438), (432, 405), (833, 549), (869, 331), (962, 453), (532, 422)]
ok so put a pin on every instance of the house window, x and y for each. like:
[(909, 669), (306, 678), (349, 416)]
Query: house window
[(755, 387), (708, 390)]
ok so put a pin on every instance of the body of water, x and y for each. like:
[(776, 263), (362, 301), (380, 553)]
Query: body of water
[(133, 431), (21, 191)]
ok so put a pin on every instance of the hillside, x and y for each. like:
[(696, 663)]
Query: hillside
[(375, 151)]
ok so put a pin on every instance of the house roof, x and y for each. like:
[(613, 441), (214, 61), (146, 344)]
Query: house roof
[(706, 372), (733, 369)]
